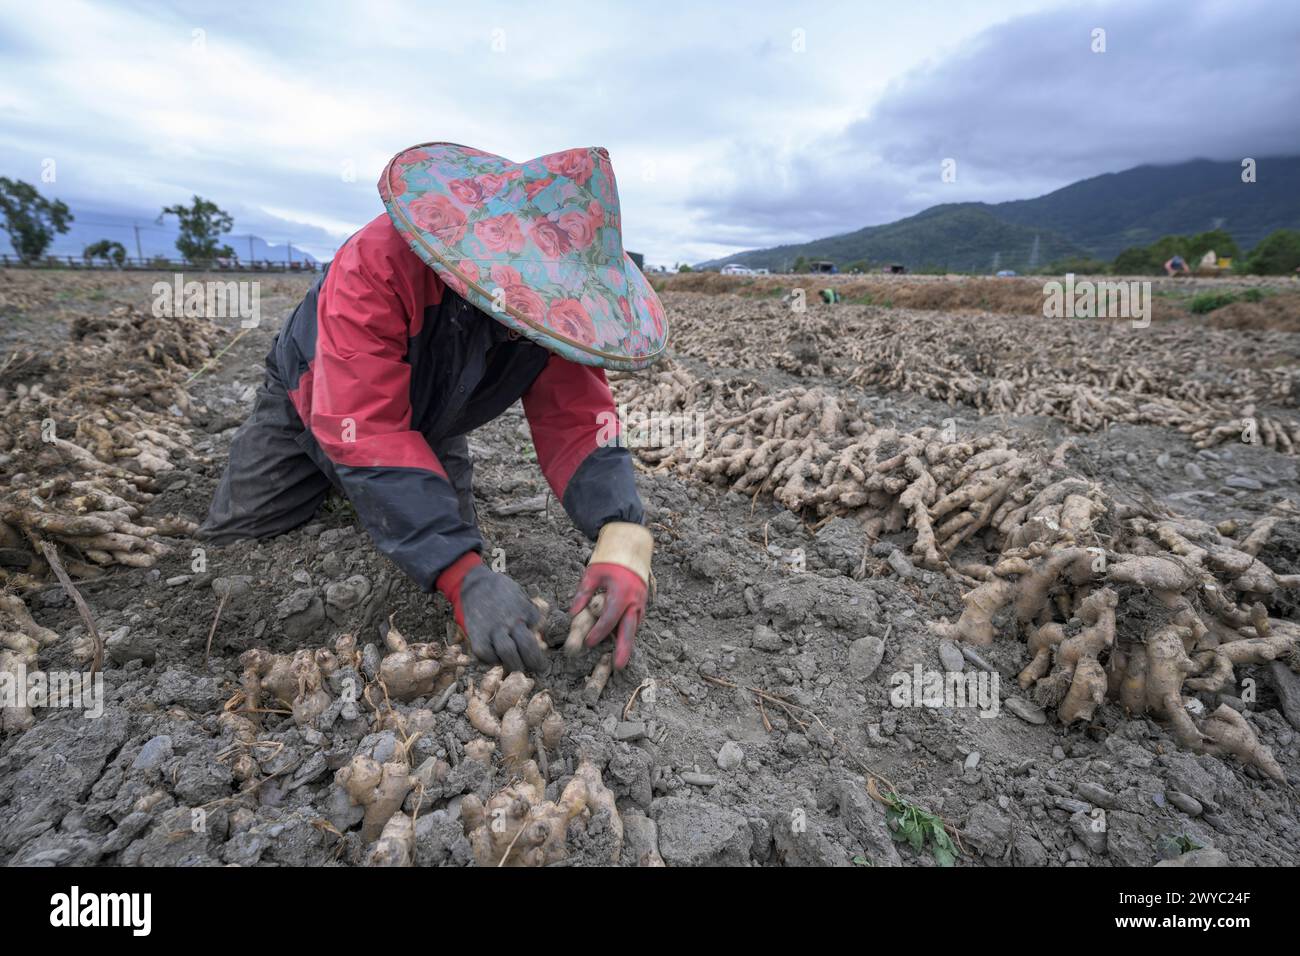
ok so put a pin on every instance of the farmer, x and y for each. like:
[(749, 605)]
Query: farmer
[(1176, 265), (484, 282)]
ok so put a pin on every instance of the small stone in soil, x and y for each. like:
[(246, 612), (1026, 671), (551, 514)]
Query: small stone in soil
[(1026, 711), (730, 756), (629, 730), (950, 657), (699, 779)]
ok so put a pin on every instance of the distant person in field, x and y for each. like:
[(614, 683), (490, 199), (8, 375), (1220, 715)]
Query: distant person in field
[(1176, 266), (484, 282)]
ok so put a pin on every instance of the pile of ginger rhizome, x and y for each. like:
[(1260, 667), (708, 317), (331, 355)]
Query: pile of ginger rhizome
[(88, 433), (1118, 604), (519, 732), (89, 436), (1116, 601)]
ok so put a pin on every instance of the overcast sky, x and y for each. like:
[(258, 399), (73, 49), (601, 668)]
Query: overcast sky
[(748, 125)]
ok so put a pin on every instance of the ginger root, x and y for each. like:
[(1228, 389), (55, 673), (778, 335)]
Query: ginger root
[(579, 628), (94, 434), (498, 708), (1078, 680), (409, 671), (595, 683), (518, 827), (582, 624), (296, 681), (396, 843), (243, 732), (1038, 569), (1059, 539), (1227, 732), (299, 680), (21, 640), (379, 788)]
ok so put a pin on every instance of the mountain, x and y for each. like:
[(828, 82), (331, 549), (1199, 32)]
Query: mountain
[(956, 236), (1096, 217), (1109, 213)]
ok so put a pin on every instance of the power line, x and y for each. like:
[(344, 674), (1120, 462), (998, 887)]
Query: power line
[(137, 229), (170, 232)]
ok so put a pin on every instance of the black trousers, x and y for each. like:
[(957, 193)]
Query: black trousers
[(277, 475)]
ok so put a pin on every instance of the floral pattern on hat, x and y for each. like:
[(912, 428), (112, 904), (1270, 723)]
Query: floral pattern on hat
[(535, 245)]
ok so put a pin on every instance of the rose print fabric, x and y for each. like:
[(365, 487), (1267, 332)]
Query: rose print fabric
[(536, 245)]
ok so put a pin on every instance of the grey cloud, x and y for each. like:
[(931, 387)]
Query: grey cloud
[(1027, 107)]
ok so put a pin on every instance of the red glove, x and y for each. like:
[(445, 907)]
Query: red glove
[(625, 601), (452, 577), (620, 567)]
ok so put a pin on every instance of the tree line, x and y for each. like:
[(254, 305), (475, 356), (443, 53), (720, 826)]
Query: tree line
[(32, 222), (1278, 253)]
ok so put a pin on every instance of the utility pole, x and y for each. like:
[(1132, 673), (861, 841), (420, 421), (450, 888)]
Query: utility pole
[(288, 252), (250, 250), (138, 254)]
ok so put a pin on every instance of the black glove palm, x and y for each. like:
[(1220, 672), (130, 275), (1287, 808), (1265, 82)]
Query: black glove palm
[(499, 621)]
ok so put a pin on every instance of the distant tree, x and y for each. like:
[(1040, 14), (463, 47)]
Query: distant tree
[(801, 264), (30, 219), (201, 226), (683, 267), (858, 265), (105, 249), (1216, 241), (1136, 261), (1278, 253)]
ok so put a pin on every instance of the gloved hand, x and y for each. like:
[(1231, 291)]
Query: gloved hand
[(495, 614), (619, 567)]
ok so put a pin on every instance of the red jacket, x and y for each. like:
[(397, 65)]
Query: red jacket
[(383, 361)]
